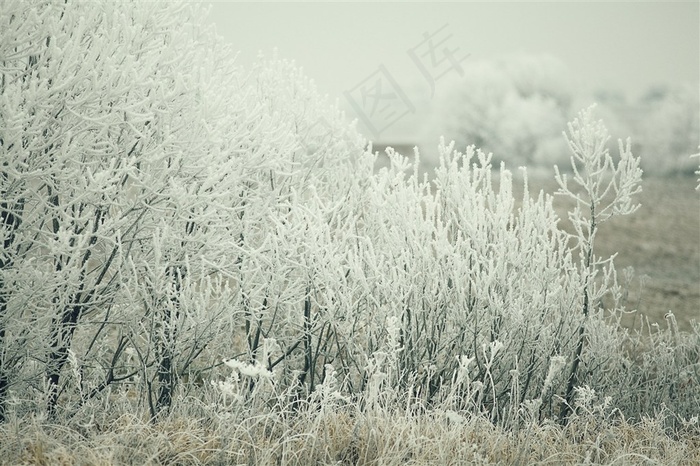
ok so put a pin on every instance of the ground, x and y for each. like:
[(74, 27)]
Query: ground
[(661, 240)]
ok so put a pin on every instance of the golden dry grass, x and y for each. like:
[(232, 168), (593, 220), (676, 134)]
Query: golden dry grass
[(346, 437)]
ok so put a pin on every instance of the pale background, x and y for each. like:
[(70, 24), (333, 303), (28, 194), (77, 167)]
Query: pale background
[(623, 47)]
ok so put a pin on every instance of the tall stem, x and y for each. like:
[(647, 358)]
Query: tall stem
[(573, 375)]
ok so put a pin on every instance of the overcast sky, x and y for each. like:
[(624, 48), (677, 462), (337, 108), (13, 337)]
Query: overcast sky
[(627, 46)]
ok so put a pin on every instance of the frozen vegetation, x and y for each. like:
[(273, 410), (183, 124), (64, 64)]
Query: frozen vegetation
[(516, 106), (200, 265)]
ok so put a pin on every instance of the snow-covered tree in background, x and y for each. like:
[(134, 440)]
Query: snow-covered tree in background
[(664, 124), (514, 107), (669, 130)]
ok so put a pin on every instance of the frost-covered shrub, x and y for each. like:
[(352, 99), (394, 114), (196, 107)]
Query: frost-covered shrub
[(138, 166), (108, 162), (516, 106), (457, 270), (164, 211)]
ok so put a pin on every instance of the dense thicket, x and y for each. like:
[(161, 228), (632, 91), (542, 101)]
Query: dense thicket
[(163, 210)]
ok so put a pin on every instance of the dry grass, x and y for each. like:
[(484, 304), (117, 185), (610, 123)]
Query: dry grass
[(345, 437)]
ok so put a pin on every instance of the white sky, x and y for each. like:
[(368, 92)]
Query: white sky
[(627, 46)]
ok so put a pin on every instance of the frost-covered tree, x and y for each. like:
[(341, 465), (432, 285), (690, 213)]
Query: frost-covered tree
[(603, 189)]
